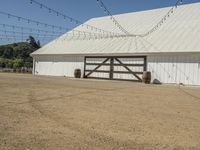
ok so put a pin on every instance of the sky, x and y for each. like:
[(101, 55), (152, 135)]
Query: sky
[(82, 10)]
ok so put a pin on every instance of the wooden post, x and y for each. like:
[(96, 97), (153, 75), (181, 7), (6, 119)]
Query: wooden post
[(84, 67), (145, 64), (111, 67)]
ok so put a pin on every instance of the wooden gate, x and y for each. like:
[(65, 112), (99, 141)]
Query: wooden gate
[(129, 68)]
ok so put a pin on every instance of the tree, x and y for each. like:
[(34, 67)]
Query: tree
[(17, 55), (8, 52), (2, 50), (2, 63), (38, 43), (33, 42), (18, 63), (9, 63)]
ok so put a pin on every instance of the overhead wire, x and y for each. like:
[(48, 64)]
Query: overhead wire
[(19, 18), (153, 29), (78, 33), (163, 20), (71, 19), (29, 29), (6, 36), (27, 33), (116, 23)]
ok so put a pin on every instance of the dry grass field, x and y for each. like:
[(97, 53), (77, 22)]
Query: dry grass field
[(56, 113)]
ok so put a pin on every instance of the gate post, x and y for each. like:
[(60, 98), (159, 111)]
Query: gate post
[(84, 67), (111, 67), (145, 63)]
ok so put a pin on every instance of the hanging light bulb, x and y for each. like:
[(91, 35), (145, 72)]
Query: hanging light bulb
[(41, 6), (31, 1)]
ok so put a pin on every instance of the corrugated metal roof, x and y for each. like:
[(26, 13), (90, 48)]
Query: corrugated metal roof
[(179, 33)]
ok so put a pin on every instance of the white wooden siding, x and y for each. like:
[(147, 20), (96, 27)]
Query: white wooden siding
[(175, 69), (167, 69), (60, 66)]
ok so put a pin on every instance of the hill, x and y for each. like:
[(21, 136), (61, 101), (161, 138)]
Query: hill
[(17, 55)]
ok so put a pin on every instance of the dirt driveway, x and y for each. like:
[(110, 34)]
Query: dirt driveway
[(49, 113)]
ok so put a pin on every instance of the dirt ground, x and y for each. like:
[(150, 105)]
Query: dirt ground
[(56, 113)]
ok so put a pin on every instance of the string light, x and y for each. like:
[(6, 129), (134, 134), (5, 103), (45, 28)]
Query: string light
[(116, 23), (106, 33), (21, 36), (42, 24), (69, 18), (28, 33), (161, 22), (31, 21), (28, 29)]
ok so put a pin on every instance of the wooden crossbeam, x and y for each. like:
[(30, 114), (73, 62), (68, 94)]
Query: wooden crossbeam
[(129, 69), (97, 67), (111, 62), (132, 65), (100, 78), (118, 72)]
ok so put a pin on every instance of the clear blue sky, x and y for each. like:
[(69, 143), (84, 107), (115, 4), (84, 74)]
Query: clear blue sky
[(80, 9)]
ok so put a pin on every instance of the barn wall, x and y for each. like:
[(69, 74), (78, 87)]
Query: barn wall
[(175, 69), (165, 68), (58, 65)]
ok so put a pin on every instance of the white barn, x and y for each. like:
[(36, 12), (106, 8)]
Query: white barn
[(171, 53)]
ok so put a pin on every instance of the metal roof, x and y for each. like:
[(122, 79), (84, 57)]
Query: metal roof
[(179, 33)]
